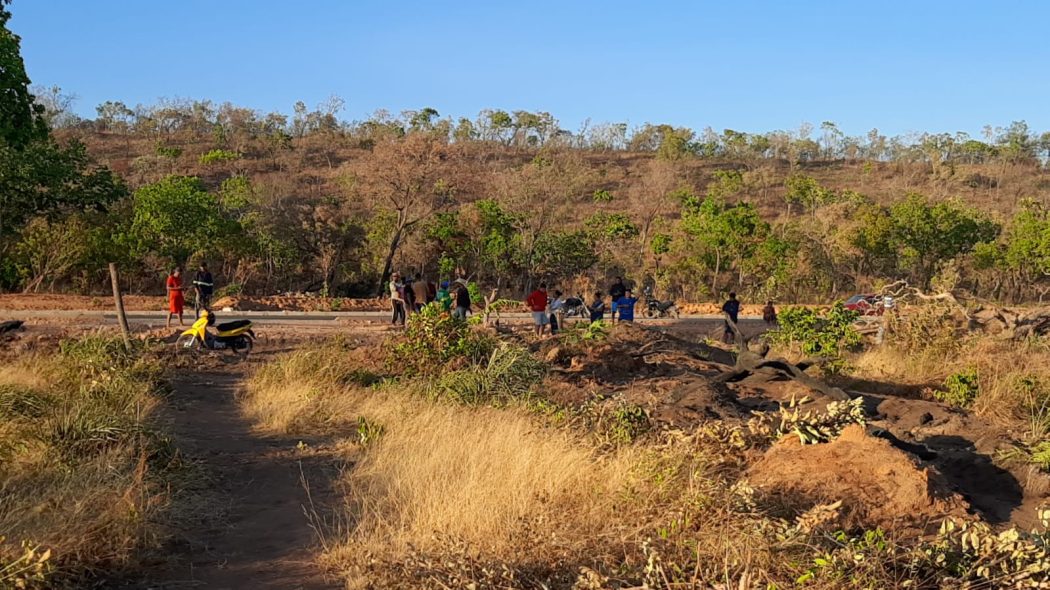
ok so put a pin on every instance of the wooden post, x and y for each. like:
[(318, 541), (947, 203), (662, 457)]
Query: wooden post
[(118, 300)]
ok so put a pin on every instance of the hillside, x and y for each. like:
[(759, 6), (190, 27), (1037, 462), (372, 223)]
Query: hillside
[(321, 205)]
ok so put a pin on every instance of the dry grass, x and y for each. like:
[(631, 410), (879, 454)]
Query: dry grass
[(1014, 378), (436, 471), (76, 462), (456, 486), (305, 390), (444, 494)]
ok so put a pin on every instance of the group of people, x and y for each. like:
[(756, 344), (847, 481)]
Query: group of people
[(203, 288), (409, 295), (547, 311)]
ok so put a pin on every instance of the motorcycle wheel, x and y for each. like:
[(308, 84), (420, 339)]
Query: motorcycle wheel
[(187, 344), (649, 313), (241, 346)]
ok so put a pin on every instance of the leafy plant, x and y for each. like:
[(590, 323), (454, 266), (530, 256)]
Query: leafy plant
[(827, 333), (960, 389), (432, 339), (368, 431), (218, 156), (509, 374), (810, 427)]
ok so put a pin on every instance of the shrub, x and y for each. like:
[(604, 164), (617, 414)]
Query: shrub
[(218, 156), (960, 389), (828, 333), (433, 339), (509, 374)]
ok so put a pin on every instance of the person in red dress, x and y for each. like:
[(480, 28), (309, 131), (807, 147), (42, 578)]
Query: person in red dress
[(176, 300)]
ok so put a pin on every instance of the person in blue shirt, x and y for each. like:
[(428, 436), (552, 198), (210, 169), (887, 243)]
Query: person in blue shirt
[(625, 306)]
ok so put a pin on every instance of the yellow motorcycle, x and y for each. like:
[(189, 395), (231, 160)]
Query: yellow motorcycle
[(236, 336)]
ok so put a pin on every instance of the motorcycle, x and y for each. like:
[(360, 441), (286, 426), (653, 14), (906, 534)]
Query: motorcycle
[(659, 309), (236, 336), (574, 306)]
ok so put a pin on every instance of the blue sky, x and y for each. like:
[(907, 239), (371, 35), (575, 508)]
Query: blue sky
[(746, 65)]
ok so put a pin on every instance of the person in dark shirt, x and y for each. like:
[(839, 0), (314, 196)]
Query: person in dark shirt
[(616, 291), (597, 307), (204, 286), (769, 314), (462, 301), (731, 309)]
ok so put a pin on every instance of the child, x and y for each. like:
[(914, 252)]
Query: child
[(556, 306), (625, 307), (597, 307), (769, 313), (444, 298)]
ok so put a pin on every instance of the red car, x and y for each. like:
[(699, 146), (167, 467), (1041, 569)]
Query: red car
[(865, 304)]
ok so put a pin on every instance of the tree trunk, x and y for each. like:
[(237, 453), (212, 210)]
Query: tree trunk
[(388, 264)]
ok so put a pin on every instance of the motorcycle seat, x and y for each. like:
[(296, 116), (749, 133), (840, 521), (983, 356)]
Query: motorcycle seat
[(234, 325)]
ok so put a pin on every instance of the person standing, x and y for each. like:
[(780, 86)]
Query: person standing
[(537, 302), (625, 306), (597, 307), (444, 298), (731, 309), (176, 299), (769, 314), (420, 292), (397, 299), (616, 291), (557, 306), (462, 309), (204, 286), (408, 295)]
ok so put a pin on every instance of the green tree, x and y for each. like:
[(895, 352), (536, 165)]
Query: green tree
[(1026, 255), (722, 235), (927, 235), (44, 178), (806, 192), (176, 218), (21, 119)]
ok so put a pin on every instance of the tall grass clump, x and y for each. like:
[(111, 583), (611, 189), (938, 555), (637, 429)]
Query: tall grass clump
[(307, 389), (80, 465)]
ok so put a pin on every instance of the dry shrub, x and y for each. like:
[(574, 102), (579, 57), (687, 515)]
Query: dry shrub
[(305, 389)]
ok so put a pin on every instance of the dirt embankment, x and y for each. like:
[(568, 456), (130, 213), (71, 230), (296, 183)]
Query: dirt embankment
[(916, 460), (877, 483)]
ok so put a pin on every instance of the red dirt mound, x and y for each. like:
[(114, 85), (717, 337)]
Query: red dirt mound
[(878, 484)]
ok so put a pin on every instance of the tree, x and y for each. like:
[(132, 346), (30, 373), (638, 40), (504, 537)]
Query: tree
[(44, 178), (58, 106), (409, 178), (21, 119), (927, 235), (805, 191), (723, 235), (175, 218)]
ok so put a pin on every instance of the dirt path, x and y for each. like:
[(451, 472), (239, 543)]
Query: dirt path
[(251, 531)]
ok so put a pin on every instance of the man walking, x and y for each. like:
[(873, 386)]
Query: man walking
[(616, 291), (537, 303), (204, 287)]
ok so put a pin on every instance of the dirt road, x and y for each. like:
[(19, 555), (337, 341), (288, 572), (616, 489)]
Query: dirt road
[(250, 528)]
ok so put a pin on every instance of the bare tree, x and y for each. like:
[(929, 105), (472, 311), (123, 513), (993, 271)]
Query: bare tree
[(411, 178)]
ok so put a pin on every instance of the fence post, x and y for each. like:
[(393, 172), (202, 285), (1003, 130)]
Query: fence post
[(118, 300)]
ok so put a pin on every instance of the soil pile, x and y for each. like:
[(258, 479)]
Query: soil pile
[(879, 485), (300, 303)]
